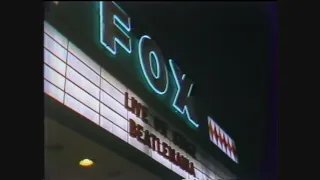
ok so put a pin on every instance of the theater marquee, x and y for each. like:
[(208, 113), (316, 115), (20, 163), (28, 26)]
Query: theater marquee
[(75, 80)]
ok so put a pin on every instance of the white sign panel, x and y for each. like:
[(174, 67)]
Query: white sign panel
[(75, 80)]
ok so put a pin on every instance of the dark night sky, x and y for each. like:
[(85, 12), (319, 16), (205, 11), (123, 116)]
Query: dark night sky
[(226, 48)]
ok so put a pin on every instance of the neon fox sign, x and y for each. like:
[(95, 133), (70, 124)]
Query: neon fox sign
[(115, 27)]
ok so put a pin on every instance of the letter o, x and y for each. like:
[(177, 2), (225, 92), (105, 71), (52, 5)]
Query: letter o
[(150, 54)]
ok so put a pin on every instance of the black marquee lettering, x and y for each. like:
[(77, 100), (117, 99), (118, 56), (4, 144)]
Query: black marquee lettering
[(147, 138), (160, 126), (162, 148)]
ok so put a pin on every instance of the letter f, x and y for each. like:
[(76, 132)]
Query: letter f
[(114, 27)]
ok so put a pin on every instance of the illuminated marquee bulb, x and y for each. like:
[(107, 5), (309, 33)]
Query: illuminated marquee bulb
[(213, 130), (210, 130), (234, 147), (227, 141), (211, 134), (234, 153), (223, 143), (219, 143), (222, 136), (230, 145), (227, 145), (218, 133), (86, 163), (213, 127)]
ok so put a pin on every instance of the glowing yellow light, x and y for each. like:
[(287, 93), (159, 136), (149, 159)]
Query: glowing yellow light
[(86, 162)]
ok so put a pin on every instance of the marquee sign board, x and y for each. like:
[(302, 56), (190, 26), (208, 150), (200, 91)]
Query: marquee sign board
[(75, 80), (78, 82)]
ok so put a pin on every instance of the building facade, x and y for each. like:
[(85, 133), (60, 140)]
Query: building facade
[(109, 90)]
